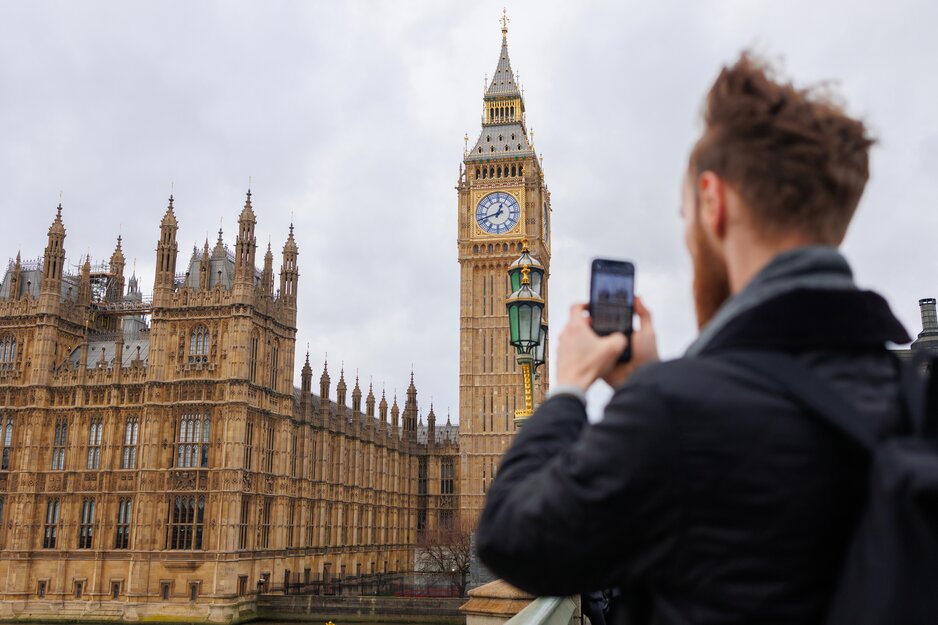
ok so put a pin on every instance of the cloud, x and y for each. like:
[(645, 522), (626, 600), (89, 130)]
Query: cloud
[(350, 118)]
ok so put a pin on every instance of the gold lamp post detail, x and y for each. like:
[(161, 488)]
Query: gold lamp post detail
[(525, 320)]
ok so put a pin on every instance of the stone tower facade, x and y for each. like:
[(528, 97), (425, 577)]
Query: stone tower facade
[(156, 459), (502, 201)]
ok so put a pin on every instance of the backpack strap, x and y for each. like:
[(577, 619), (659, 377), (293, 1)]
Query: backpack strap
[(809, 391)]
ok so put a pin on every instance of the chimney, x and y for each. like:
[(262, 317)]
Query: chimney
[(928, 337), (929, 315)]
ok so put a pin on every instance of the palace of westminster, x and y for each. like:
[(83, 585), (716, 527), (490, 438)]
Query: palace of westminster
[(157, 458)]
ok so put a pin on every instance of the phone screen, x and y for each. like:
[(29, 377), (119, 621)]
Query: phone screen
[(612, 297)]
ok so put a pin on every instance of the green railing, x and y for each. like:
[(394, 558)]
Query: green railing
[(546, 611)]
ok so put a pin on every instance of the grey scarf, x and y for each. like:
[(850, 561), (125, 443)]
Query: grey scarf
[(817, 267)]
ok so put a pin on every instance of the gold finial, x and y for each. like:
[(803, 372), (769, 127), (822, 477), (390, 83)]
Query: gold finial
[(524, 275), (524, 246), (465, 142), (504, 21)]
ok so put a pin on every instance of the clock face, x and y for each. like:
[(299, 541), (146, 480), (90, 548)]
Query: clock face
[(498, 213)]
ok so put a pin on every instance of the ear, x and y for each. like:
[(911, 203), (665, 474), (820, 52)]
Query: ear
[(712, 206)]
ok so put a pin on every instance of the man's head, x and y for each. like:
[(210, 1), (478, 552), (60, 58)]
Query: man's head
[(776, 167)]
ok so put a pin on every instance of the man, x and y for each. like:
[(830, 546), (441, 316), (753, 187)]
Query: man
[(705, 493)]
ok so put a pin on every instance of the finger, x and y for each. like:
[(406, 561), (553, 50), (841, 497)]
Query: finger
[(642, 311), (616, 342), (577, 310)]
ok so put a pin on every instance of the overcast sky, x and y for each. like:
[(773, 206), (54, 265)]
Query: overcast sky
[(349, 117)]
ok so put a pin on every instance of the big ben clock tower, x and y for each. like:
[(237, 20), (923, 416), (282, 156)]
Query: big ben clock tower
[(503, 202)]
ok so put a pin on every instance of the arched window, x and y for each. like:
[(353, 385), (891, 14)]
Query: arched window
[(192, 441), (490, 248), (485, 173), (514, 170), (7, 352), (86, 525), (129, 451), (498, 172), (186, 518), (59, 440), (7, 433), (475, 249), (252, 373), (520, 170), (122, 538), (199, 343), (94, 444), (492, 169), (477, 173)]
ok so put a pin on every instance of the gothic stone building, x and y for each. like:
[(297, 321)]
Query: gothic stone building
[(502, 202), (157, 458)]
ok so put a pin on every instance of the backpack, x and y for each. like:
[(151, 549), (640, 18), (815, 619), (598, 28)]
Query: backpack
[(890, 573)]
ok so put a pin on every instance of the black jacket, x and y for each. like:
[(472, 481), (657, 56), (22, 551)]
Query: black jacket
[(704, 493)]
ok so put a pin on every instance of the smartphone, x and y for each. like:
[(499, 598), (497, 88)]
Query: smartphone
[(612, 299)]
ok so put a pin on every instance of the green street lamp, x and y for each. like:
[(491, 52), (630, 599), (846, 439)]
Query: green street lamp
[(540, 350), (528, 332), (534, 265)]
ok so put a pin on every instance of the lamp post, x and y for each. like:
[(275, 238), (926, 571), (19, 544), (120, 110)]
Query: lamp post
[(526, 323)]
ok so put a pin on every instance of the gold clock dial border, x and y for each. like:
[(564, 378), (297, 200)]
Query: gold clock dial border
[(519, 229)]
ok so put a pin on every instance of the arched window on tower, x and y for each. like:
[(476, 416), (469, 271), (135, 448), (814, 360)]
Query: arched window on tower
[(94, 444), (252, 355), (514, 170), (192, 441), (7, 443), (7, 352), (199, 345), (129, 450), (485, 173)]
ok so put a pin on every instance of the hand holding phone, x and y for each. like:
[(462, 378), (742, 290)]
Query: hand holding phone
[(612, 299)]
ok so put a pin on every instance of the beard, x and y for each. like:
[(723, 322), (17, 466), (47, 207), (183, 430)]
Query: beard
[(711, 279)]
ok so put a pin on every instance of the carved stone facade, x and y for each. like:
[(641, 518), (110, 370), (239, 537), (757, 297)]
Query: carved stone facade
[(157, 458), (503, 201)]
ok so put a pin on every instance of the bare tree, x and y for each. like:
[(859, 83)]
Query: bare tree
[(447, 551)]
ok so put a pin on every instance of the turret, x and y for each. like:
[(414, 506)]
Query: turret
[(382, 411), (306, 379), (166, 251), (53, 262), (289, 273), (205, 268), (245, 245), (324, 389), (15, 277), (115, 288), (370, 403), (267, 278), (84, 283), (356, 397), (410, 409), (431, 427), (395, 413), (340, 394)]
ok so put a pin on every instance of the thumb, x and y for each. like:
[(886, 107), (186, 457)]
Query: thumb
[(644, 315), (615, 343)]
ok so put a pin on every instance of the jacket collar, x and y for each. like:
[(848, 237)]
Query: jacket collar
[(812, 319)]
